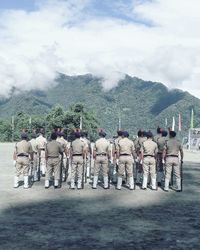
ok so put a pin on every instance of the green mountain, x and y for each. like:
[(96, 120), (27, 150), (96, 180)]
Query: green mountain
[(137, 103)]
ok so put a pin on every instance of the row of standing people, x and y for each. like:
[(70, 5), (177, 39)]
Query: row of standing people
[(152, 156)]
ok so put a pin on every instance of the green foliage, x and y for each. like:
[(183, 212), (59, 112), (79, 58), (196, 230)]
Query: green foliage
[(57, 118)]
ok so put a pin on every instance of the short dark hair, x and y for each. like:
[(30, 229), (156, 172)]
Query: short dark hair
[(172, 134), (119, 132), (53, 136)]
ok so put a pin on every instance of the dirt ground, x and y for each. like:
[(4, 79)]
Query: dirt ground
[(98, 219)]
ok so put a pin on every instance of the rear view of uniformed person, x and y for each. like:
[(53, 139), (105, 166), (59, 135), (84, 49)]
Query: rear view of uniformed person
[(149, 152), (35, 157), (171, 156), (77, 151), (52, 153), (41, 142), (125, 153), (101, 155), (21, 155), (161, 141)]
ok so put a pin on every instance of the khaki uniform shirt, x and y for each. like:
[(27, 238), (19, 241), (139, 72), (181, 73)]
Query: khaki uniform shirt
[(139, 142), (173, 146), (78, 146), (64, 143), (23, 147), (34, 145), (161, 143), (41, 142), (102, 146), (53, 149), (125, 146), (156, 137), (150, 148)]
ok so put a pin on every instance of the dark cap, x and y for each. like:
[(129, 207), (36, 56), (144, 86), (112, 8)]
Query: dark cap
[(159, 130), (53, 136), (24, 136), (102, 134), (149, 134), (125, 134), (164, 133), (172, 133), (77, 134), (119, 132)]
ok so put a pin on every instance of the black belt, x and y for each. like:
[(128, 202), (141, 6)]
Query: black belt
[(42, 148), (172, 156), (22, 155), (53, 157), (102, 154), (125, 155), (77, 155), (149, 155)]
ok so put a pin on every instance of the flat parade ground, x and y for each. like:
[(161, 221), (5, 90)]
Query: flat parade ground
[(98, 219)]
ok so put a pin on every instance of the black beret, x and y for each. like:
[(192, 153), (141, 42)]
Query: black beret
[(102, 134), (125, 134), (149, 134), (24, 136), (164, 133), (172, 134)]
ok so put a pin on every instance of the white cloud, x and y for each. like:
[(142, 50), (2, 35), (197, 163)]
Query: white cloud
[(63, 36)]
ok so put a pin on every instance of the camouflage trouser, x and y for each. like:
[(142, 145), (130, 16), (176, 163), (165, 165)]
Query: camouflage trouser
[(172, 163), (22, 166), (149, 167), (101, 161), (77, 167), (53, 166), (125, 164)]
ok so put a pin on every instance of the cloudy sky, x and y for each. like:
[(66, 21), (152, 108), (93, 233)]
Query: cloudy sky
[(157, 40)]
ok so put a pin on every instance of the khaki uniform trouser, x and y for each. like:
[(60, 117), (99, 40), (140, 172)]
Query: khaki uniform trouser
[(22, 166), (35, 163), (42, 158), (149, 166), (53, 166), (125, 163), (101, 161), (77, 166), (160, 166), (172, 162)]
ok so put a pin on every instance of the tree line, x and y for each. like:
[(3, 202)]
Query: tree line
[(76, 116)]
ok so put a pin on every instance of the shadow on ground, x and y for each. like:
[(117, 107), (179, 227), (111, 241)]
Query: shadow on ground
[(99, 224)]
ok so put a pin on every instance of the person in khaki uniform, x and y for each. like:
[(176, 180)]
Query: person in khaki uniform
[(149, 152), (64, 158), (78, 152), (87, 142), (114, 154), (125, 154), (161, 141), (21, 155), (158, 135), (52, 152), (35, 157), (41, 142), (138, 144), (171, 157), (101, 155)]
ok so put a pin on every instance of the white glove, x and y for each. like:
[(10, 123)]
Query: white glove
[(141, 161), (163, 161), (117, 161), (14, 163), (111, 161)]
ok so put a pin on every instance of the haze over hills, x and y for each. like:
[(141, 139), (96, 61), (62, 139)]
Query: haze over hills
[(140, 104)]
